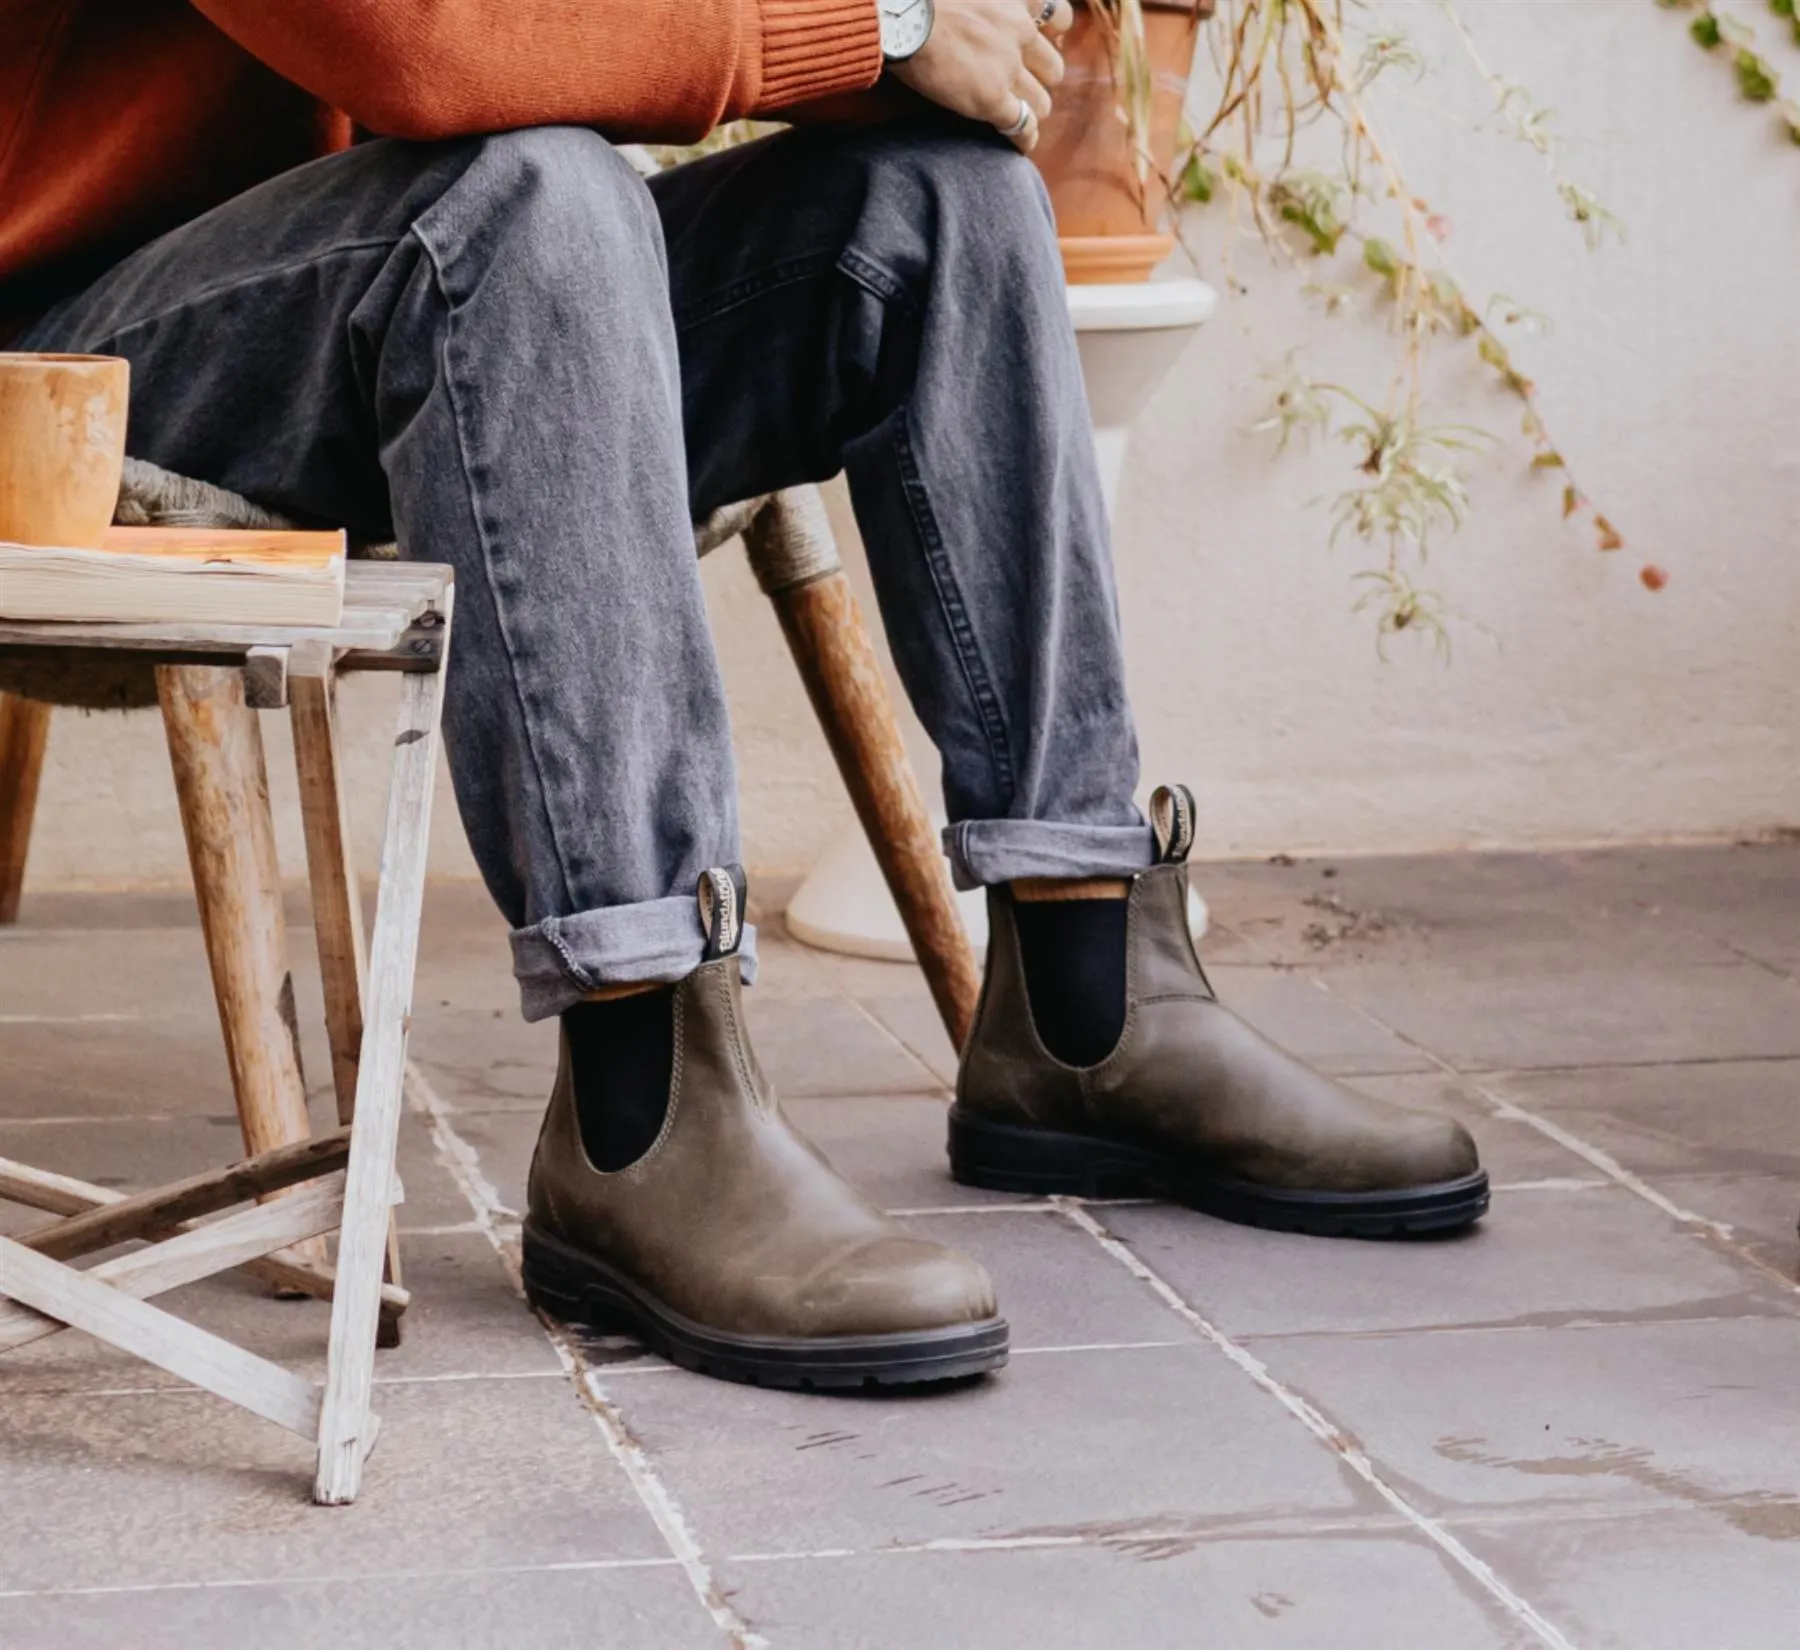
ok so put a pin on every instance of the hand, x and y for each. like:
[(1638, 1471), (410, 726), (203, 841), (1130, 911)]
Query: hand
[(986, 57)]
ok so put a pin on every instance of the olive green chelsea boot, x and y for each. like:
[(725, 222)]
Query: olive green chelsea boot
[(1192, 1103), (731, 1246)]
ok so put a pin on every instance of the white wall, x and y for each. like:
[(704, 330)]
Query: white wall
[(1577, 707)]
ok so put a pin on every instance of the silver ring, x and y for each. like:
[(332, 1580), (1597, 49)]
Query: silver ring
[(1046, 12), (1018, 126)]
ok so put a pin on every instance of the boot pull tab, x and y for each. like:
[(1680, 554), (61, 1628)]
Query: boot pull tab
[(721, 895), (1172, 819)]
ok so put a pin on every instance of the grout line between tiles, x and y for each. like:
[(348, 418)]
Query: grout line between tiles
[(1333, 1438), (1026, 1206), (1254, 1529), (234, 1583), (183, 1390), (1583, 1326), (70, 1019), (1718, 1232), (935, 1082), (460, 1158)]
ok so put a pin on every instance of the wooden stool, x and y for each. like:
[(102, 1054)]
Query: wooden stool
[(210, 681), (795, 559)]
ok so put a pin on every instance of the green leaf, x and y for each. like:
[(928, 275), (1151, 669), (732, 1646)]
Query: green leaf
[(1756, 80), (1789, 111), (1198, 181), (1571, 502), (1785, 8), (1492, 351), (1381, 258), (1609, 538), (1705, 29), (1548, 461)]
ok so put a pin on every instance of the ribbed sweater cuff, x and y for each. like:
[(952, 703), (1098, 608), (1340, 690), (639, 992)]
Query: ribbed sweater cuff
[(813, 48)]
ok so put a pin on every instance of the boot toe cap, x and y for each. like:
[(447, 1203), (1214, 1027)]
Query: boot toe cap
[(899, 1285), (1428, 1150)]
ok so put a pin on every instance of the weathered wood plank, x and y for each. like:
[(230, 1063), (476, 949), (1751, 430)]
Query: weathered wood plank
[(361, 627), (362, 1244), (24, 736), (56, 1194), (200, 1194), (222, 784), (291, 1273), (159, 1338), (336, 902), (198, 1252)]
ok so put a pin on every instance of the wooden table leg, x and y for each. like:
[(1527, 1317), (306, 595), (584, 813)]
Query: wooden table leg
[(222, 783), (24, 731), (336, 904), (843, 678), (346, 1428)]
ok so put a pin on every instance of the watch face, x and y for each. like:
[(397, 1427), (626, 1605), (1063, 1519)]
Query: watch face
[(905, 27)]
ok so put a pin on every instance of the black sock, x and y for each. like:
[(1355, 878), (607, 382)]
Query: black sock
[(1074, 953), (622, 1054)]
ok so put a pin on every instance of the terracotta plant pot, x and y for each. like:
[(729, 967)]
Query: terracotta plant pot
[(1108, 223)]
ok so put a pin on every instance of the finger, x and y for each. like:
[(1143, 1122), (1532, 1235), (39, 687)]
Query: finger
[(1020, 127), (1044, 61), (1033, 95)]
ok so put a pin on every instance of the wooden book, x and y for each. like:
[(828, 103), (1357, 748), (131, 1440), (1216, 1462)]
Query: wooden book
[(177, 575)]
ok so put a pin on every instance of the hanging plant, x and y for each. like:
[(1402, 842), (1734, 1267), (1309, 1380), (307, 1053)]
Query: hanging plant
[(1127, 149)]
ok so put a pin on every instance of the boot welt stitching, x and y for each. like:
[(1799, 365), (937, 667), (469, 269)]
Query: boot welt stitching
[(737, 1048)]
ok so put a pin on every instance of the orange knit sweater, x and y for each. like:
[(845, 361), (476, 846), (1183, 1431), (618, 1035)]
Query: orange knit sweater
[(120, 119)]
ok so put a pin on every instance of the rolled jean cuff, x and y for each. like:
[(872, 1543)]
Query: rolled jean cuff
[(561, 959), (985, 851)]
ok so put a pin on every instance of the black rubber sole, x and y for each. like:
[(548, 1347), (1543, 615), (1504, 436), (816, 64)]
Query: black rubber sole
[(576, 1288), (1005, 1158)]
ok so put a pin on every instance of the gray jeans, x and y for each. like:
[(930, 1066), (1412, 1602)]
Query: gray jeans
[(518, 358)]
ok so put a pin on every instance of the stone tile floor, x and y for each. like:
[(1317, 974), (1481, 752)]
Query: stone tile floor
[(1577, 1427)]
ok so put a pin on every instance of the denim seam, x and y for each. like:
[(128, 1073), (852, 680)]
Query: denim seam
[(950, 601), (880, 283), (206, 295), (790, 273), (577, 972), (485, 540), (888, 288)]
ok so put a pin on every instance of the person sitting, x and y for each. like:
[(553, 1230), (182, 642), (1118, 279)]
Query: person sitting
[(483, 333)]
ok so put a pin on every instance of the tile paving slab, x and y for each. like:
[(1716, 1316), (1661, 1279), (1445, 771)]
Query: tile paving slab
[(650, 1608), (1541, 1259), (1054, 1444), (1654, 1582), (1618, 1442), (1672, 1414), (1136, 1590), (180, 1487)]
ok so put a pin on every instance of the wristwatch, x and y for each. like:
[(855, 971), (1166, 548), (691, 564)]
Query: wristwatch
[(905, 27)]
